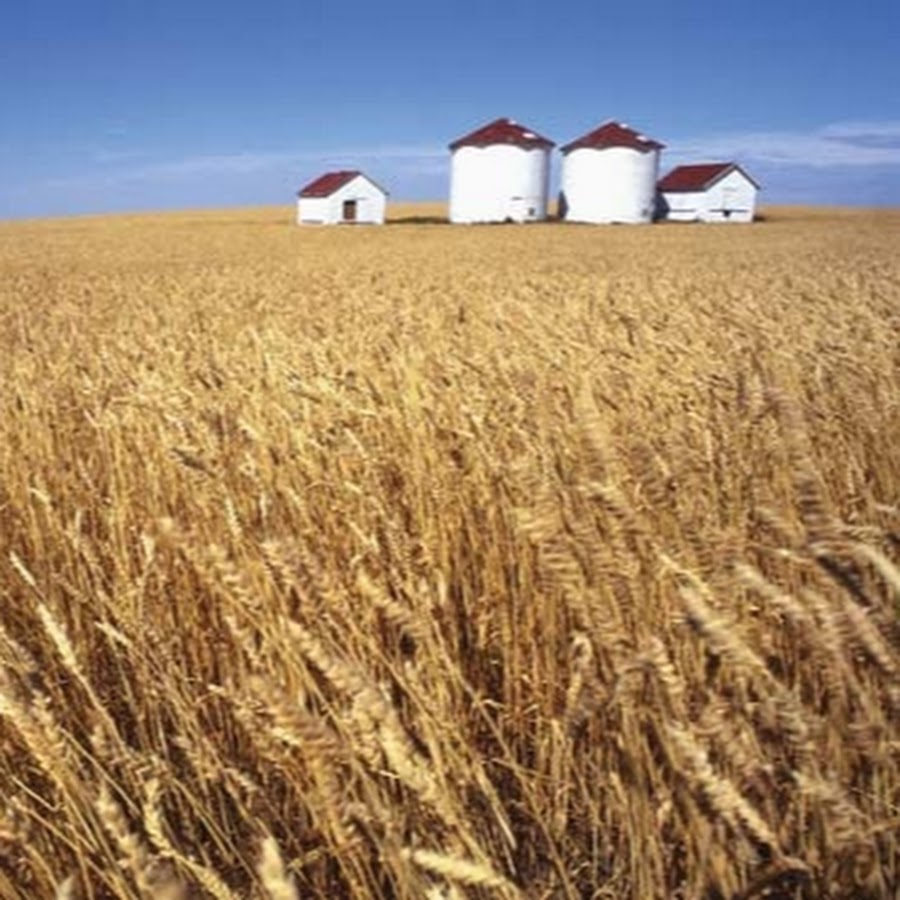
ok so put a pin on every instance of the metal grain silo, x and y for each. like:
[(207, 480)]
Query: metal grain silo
[(609, 175), (498, 173)]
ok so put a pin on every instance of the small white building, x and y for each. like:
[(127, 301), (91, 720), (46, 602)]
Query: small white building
[(500, 173), (708, 192), (609, 175), (341, 198)]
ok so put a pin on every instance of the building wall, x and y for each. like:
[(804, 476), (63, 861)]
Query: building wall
[(312, 210), (499, 182), (682, 206), (613, 184), (731, 199), (370, 205)]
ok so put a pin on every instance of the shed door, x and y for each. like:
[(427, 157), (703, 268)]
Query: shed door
[(349, 211)]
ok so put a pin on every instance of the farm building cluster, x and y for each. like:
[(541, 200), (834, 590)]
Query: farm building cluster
[(501, 173)]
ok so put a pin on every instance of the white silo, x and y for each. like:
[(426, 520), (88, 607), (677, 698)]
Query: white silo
[(609, 175), (498, 173)]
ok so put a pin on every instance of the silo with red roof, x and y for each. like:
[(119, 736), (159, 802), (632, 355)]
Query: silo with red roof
[(609, 175), (499, 173)]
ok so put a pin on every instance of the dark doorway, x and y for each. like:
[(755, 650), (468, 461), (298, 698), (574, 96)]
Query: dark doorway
[(349, 210)]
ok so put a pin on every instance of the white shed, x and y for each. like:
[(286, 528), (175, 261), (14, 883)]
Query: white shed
[(609, 175), (708, 192), (499, 173), (341, 197)]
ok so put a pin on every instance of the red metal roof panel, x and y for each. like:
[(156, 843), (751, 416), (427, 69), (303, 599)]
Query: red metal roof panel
[(698, 177), (503, 131), (325, 185), (614, 134)]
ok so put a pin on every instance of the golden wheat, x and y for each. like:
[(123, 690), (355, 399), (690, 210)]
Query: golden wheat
[(428, 561)]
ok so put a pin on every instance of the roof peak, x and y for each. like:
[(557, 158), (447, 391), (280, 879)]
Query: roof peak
[(503, 130), (329, 182), (699, 176), (613, 133)]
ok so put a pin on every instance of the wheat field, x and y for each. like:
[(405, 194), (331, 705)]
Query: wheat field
[(431, 562)]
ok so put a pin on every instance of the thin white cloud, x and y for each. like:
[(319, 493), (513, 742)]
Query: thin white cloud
[(414, 159), (842, 144)]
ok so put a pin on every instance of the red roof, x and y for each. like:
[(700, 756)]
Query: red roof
[(325, 185), (699, 177), (614, 134), (503, 131)]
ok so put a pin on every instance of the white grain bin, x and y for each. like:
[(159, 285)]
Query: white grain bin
[(337, 198), (498, 173), (707, 192), (609, 175)]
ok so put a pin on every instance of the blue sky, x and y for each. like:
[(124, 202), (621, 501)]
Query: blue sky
[(144, 104)]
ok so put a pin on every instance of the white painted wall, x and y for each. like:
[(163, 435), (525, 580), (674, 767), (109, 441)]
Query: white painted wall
[(731, 199), (312, 210), (499, 182), (371, 203), (610, 184)]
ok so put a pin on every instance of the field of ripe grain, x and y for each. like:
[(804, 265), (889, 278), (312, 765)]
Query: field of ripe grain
[(419, 561)]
